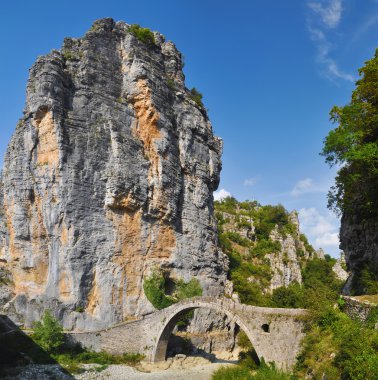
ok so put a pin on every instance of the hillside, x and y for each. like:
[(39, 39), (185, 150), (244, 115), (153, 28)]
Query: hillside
[(269, 256)]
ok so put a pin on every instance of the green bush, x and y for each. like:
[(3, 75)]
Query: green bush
[(187, 289), (291, 296), (264, 247), (142, 34), (195, 95), (48, 333), (232, 373), (264, 372), (236, 238), (339, 348), (154, 289), (72, 361)]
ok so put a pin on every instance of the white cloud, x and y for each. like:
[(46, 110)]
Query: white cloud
[(328, 239), (250, 182), (305, 186), (302, 186), (325, 15), (221, 194), (322, 230), (330, 14)]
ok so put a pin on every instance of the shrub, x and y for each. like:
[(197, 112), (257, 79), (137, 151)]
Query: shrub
[(339, 348), (187, 290), (291, 296), (236, 238), (48, 333), (142, 34), (196, 96), (232, 373), (264, 247), (154, 289), (264, 372), (72, 360)]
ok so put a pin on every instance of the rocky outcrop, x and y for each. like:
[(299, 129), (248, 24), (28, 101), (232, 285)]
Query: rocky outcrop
[(340, 268), (109, 173), (284, 257)]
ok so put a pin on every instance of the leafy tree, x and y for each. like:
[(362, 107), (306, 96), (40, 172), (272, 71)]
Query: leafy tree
[(353, 145), (48, 333), (291, 296)]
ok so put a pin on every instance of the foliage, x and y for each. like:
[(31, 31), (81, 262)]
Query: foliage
[(266, 219), (353, 145), (232, 373), (187, 289), (291, 296), (48, 333), (154, 289), (142, 34), (195, 95), (73, 359), (236, 238), (228, 204), (339, 347), (171, 83), (365, 280), (264, 372), (264, 247)]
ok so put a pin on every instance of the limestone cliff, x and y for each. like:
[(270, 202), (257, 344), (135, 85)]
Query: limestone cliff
[(109, 173), (359, 241)]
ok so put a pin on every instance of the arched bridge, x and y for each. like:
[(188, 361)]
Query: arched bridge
[(275, 333)]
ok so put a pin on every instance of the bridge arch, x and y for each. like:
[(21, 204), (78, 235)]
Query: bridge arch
[(159, 351)]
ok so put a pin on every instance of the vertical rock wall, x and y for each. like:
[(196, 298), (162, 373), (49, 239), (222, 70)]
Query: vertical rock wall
[(109, 173)]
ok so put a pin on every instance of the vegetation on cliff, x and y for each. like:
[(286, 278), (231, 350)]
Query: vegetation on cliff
[(155, 289), (353, 145), (250, 260), (335, 345)]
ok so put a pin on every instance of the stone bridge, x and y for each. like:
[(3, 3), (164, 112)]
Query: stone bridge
[(275, 333)]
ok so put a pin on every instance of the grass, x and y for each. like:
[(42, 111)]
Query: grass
[(264, 372), (372, 298), (73, 361)]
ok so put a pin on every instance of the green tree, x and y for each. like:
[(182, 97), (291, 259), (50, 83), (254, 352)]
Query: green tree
[(48, 333), (154, 289), (353, 145)]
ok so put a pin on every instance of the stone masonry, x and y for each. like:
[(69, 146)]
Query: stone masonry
[(275, 333)]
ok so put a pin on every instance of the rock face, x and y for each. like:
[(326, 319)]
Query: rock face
[(339, 268), (286, 264), (109, 173), (359, 241)]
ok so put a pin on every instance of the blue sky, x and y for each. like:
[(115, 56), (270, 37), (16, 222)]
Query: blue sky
[(269, 70)]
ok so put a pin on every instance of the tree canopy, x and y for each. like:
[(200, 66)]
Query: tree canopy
[(353, 145)]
